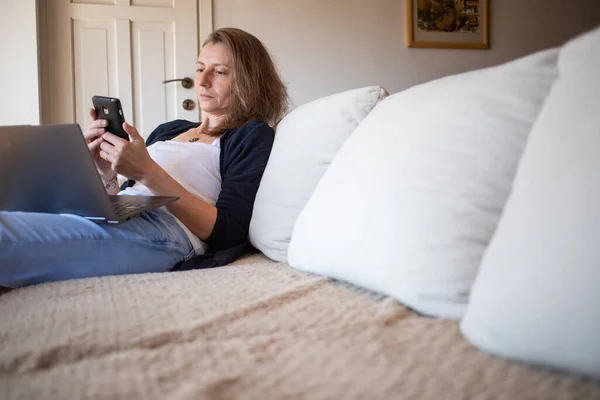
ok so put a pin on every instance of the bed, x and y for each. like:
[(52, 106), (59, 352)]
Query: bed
[(255, 329)]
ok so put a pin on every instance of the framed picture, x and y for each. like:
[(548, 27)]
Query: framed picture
[(447, 24)]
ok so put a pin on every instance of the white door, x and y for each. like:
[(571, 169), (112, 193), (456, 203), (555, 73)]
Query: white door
[(124, 49)]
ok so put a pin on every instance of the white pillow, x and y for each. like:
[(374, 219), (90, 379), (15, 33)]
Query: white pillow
[(306, 141), (537, 297), (410, 202)]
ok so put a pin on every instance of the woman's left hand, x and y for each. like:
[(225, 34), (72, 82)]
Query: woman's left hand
[(128, 158)]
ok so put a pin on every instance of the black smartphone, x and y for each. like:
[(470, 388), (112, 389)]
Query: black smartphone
[(109, 108)]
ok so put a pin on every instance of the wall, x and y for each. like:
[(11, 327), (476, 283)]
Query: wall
[(326, 46), (19, 80)]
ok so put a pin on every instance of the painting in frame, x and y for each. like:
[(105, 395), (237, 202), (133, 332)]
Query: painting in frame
[(447, 24)]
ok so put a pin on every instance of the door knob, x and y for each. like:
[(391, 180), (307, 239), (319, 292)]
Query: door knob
[(188, 104), (186, 82)]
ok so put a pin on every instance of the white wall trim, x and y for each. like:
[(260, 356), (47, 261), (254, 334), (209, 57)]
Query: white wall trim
[(20, 77), (44, 86)]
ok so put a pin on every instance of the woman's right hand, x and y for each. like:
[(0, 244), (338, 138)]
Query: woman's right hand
[(93, 138)]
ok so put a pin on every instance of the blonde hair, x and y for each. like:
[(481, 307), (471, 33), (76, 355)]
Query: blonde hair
[(258, 93)]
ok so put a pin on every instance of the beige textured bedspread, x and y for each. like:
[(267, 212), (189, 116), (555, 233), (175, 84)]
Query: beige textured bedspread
[(253, 330)]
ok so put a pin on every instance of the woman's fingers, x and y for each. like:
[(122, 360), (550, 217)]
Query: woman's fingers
[(111, 152), (132, 132), (106, 146), (99, 123), (95, 144), (95, 132), (107, 151), (106, 156), (95, 129), (92, 114), (114, 140), (205, 124)]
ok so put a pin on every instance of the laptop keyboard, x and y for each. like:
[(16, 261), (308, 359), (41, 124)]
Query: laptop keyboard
[(124, 209)]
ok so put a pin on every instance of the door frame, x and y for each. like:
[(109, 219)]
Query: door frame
[(205, 27)]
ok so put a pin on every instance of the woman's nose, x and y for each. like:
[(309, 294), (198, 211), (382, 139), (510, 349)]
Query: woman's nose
[(202, 79)]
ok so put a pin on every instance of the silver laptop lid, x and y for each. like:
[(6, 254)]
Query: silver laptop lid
[(48, 169)]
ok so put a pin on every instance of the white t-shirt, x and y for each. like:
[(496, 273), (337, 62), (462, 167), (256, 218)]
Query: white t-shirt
[(195, 166)]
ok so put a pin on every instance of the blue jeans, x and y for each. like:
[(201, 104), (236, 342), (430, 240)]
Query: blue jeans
[(37, 248)]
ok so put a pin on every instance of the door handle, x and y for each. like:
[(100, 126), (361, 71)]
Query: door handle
[(186, 82)]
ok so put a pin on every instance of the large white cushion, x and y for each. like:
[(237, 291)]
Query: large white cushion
[(306, 141), (410, 202), (537, 297)]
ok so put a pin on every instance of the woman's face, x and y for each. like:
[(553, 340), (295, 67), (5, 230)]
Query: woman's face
[(214, 79)]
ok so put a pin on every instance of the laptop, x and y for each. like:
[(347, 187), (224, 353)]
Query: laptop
[(49, 169)]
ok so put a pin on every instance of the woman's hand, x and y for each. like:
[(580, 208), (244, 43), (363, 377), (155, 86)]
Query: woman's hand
[(93, 138), (128, 158)]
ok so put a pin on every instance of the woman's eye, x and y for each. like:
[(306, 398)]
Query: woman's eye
[(220, 72), (199, 70)]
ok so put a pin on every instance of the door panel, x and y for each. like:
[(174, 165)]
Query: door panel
[(112, 2), (152, 63), (153, 3), (95, 62)]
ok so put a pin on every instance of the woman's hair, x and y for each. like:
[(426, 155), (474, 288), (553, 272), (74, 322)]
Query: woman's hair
[(258, 92)]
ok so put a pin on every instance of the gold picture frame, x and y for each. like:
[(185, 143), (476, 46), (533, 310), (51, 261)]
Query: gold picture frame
[(447, 24)]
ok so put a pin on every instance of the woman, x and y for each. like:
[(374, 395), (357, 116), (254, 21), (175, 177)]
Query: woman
[(214, 168)]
